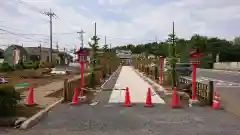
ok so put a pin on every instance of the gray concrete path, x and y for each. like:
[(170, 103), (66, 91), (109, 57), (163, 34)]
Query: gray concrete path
[(137, 88)]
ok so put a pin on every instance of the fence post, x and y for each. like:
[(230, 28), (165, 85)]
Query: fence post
[(210, 92), (65, 90)]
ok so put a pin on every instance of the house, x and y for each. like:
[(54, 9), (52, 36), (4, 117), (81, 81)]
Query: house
[(14, 53), (42, 54), (1, 55), (125, 56)]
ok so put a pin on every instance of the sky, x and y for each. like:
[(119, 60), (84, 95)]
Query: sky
[(121, 21)]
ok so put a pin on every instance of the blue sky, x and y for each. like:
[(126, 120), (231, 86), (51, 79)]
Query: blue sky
[(122, 21)]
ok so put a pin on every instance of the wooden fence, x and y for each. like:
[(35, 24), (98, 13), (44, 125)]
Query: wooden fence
[(70, 84)]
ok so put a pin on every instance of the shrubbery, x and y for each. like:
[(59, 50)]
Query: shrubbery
[(47, 65), (8, 100), (31, 65), (5, 67)]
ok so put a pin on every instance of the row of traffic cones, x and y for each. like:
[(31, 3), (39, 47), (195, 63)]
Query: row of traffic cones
[(127, 102), (175, 99)]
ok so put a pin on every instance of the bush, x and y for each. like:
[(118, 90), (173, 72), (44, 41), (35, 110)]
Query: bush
[(31, 65), (8, 100), (19, 67), (5, 67), (47, 65)]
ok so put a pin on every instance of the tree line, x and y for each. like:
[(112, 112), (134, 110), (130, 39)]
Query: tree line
[(210, 47)]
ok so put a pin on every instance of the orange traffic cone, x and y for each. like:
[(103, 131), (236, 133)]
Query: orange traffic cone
[(30, 100), (148, 99), (127, 102), (175, 103), (216, 100), (75, 97)]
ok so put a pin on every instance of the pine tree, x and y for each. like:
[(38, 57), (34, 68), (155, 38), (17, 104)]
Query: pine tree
[(94, 59), (173, 58), (105, 48)]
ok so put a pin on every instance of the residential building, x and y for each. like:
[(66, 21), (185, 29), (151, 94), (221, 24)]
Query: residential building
[(14, 53), (42, 54), (1, 56)]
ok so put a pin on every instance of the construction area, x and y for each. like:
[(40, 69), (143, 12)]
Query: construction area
[(128, 104)]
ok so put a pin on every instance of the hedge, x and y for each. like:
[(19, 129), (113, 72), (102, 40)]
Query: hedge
[(8, 100)]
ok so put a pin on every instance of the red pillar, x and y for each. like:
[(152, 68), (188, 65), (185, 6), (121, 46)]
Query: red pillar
[(101, 72), (194, 66), (160, 70), (82, 78)]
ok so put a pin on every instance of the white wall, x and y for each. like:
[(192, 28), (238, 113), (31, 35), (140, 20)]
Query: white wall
[(235, 66)]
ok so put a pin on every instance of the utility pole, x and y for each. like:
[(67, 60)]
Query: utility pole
[(75, 52), (40, 52), (57, 46), (173, 57), (64, 55), (51, 15), (81, 37), (95, 27), (110, 47), (105, 41)]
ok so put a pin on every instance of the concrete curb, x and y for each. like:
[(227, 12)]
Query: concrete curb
[(110, 77), (37, 117)]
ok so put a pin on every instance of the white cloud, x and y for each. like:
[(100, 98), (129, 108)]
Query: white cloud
[(145, 20), (113, 2)]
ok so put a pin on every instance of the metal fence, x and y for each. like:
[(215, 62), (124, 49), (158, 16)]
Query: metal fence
[(204, 91)]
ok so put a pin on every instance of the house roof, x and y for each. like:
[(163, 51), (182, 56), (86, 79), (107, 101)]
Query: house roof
[(19, 47), (36, 50), (87, 50)]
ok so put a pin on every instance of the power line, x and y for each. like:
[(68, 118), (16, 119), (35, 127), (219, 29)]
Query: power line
[(17, 34), (30, 7)]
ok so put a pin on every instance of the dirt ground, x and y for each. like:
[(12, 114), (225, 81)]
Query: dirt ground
[(15, 78)]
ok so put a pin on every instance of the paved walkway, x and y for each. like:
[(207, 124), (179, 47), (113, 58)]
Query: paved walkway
[(137, 87)]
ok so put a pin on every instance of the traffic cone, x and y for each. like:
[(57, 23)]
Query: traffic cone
[(148, 99), (175, 103), (30, 100), (216, 100), (75, 97), (127, 102)]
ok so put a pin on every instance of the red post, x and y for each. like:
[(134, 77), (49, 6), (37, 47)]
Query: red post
[(101, 72), (82, 78), (161, 70), (194, 66)]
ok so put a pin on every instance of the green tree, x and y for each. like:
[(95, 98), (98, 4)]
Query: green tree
[(236, 41), (172, 58), (105, 48), (94, 59)]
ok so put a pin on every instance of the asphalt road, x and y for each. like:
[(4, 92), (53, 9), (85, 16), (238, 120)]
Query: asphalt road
[(228, 84), (111, 118)]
